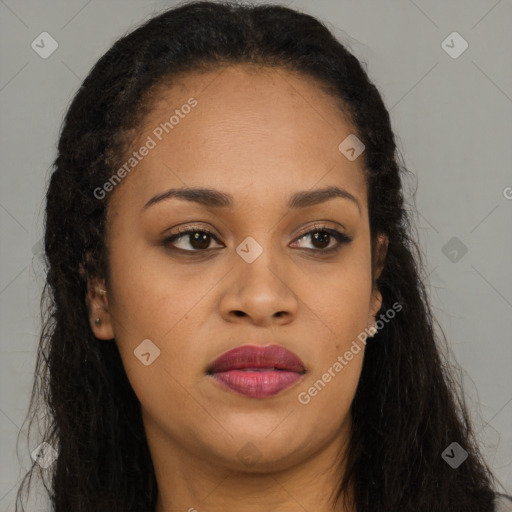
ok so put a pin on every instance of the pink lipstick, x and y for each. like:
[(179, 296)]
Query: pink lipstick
[(256, 371)]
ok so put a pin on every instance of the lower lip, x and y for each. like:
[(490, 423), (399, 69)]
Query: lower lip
[(257, 384)]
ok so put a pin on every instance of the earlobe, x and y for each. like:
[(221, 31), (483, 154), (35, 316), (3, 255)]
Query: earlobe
[(97, 305)]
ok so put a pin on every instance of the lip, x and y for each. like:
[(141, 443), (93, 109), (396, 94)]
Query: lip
[(257, 371)]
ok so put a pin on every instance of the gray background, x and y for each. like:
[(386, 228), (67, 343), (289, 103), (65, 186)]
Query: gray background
[(453, 120)]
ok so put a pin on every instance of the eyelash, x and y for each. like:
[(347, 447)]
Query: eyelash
[(341, 238)]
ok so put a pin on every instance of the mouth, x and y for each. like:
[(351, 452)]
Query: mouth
[(256, 371)]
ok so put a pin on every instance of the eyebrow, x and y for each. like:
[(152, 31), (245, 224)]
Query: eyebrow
[(216, 199)]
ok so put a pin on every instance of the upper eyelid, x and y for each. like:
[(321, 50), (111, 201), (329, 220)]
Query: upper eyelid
[(318, 225), (306, 231)]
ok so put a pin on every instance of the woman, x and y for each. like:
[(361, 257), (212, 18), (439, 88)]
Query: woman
[(237, 318)]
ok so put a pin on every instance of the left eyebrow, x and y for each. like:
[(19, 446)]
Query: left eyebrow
[(320, 195), (217, 199)]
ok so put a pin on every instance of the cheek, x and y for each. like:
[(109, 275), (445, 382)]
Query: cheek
[(342, 320), (155, 337), (340, 296), (168, 303), (152, 292), (326, 393), (341, 306)]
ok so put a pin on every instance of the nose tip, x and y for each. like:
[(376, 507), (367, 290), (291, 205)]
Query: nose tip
[(255, 292)]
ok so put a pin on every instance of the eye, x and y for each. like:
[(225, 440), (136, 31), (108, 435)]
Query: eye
[(198, 238), (322, 237)]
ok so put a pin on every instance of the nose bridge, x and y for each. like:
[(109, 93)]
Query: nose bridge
[(261, 257), (258, 288)]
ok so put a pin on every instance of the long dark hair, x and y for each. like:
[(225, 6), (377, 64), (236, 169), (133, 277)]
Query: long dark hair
[(408, 408)]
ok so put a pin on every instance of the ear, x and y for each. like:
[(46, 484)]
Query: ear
[(97, 304), (379, 259)]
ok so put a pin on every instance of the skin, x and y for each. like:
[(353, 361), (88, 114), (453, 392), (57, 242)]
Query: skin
[(260, 135)]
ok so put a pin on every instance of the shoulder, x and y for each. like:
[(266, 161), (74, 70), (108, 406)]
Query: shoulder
[(503, 503)]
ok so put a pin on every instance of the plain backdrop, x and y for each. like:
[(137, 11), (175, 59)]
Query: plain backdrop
[(452, 113)]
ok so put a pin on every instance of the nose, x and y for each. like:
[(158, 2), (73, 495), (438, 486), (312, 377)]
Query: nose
[(260, 293)]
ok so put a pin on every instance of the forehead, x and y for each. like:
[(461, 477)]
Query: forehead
[(251, 130)]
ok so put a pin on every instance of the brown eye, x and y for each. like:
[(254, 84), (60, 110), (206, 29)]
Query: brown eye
[(321, 237), (198, 239)]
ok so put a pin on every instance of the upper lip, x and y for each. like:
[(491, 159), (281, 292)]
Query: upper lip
[(252, 356)]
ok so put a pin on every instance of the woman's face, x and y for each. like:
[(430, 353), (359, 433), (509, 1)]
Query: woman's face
[(256, 138)]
